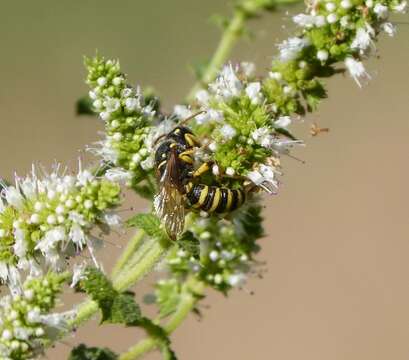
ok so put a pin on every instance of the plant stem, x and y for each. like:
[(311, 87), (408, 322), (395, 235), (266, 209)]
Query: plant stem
[(145, 256), (140, 263), (229, 38), (189, 297), (130, 249)]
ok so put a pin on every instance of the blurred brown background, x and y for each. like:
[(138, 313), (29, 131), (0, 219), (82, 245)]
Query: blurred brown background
[(337, 284)]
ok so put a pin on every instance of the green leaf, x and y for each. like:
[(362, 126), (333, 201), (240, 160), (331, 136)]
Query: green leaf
[(83, 106), (82, 352), (116, 307), (190, 243), (159, 334), (150, 224), (125, 310), (100, 289)]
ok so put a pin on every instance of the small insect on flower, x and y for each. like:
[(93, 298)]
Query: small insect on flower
[(316, 130), (175, 173)]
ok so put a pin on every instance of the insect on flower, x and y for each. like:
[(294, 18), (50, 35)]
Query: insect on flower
[(316, 130), (178, 189)]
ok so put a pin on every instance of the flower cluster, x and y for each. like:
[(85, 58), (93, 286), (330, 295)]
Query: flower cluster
[(128, 119), (245, 118), (219, 252), (44, 219), (26, 322), (238, 126)]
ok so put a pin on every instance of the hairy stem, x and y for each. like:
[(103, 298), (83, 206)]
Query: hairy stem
[(191, 292), (133, 245), (142, 258), (227, 41)]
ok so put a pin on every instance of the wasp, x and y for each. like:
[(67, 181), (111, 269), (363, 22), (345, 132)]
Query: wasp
[(179, 188)]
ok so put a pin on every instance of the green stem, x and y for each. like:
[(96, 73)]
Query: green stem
[(228, 40), (145, 256), (130, 249), (190, 295), (140, 264)]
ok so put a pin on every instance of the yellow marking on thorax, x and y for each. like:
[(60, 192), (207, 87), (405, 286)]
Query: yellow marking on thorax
[(216, 200)]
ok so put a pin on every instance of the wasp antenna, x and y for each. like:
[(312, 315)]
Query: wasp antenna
[(192, 117)]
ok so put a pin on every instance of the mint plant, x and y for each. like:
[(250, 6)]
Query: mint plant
[(238, 133)]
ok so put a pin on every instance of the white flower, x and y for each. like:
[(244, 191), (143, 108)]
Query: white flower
[(344, 21), (230, 171), (264, 177), (389, 28), (275, 75), (78, 273), (77, 236), (237, 279), (202, 97), (50, 240), (111, 104), (182, 111), (118, 175), (401, 7), (20, 246), (381, 11), (309, 21), (283, 121), (84, 177), (253, 91), (227, 84), (132, 104), (248, 68), (346, 4), (362, 39), (148, 163), (14, 197), (291, 48), (322, 55), (356, 70), (228, 132), (215, 115), (101, 81), (330, 6), (112, 220), (332, 18)]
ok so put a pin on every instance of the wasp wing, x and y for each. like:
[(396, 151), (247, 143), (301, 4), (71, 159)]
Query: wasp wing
[(169, 202)]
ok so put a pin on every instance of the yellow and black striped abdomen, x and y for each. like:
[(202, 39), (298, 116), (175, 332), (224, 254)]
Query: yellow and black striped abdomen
[(213, 198)]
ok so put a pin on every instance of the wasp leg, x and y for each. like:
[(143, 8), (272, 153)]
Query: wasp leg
[(205, 167), (186, 156)]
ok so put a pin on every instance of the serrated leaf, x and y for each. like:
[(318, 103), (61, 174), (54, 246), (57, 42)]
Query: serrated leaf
[(125, 310), (100, 289), (150, 224), (116, 307), (82, 352), (159, 334)]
